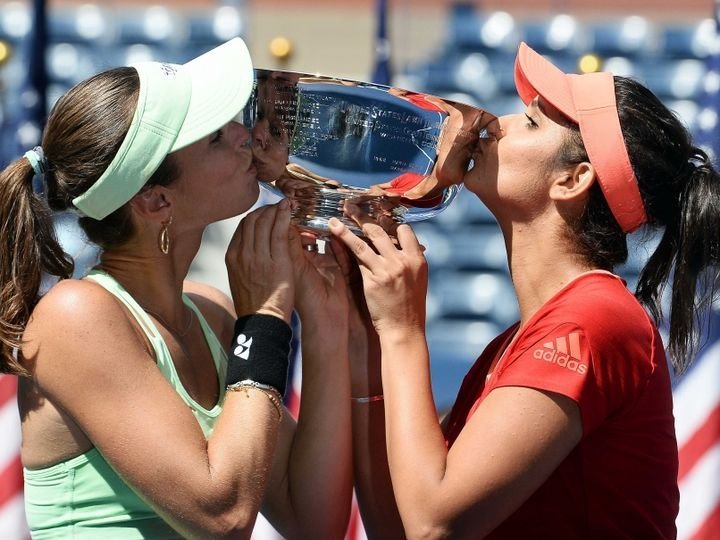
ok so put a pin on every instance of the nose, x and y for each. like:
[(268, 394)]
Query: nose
[(502, 124), (239, 135), (261, 133)]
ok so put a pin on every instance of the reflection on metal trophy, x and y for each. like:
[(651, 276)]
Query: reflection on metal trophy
[(324, 141)]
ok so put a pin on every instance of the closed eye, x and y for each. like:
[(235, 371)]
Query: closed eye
[(532, 122), (216, 136)]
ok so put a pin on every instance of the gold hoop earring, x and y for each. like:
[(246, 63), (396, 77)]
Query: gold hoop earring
[(165, 237)]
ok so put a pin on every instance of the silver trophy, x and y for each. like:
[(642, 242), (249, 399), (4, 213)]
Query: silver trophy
[(324, 142)]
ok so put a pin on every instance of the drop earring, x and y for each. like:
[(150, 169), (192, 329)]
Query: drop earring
[(165, 237)]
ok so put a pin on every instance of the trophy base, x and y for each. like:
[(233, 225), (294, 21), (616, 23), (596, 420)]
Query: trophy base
[(314, 206)]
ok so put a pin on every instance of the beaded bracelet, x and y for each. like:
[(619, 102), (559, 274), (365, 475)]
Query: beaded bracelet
[(272, 394)]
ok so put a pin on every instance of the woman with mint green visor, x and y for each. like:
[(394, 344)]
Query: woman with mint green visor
[(152, 406)]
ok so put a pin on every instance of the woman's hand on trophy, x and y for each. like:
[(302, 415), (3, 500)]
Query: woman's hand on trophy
[(320, 285), (259, 265), (394, 274)]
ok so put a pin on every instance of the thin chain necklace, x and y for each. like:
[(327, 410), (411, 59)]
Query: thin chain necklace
[(177, 334)]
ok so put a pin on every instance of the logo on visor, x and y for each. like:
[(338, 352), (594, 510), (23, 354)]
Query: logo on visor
[(168, 70)]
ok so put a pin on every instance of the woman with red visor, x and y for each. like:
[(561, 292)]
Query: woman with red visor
[(563, 428)]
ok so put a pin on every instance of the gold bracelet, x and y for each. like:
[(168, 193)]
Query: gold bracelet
[(271, 392), (368, 399)]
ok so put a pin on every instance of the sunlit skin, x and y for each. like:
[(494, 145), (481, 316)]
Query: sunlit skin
[(510, 175), (81, 337), (518, 435), (221, 162)]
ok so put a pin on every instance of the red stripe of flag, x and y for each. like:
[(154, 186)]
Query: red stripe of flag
[(700, 442), (710, 528), (8, 387), (11, 481)]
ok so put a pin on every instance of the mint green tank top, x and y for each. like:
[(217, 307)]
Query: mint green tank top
[(84, 497)]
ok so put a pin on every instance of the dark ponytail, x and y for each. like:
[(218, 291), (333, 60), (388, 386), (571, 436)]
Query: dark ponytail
[(688, 254), (681, 195), (28, 248)]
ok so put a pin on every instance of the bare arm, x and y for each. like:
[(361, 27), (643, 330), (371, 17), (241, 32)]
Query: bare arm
[(509, 447), (373, 486), (87, 358), (513, 442), (311, 485)]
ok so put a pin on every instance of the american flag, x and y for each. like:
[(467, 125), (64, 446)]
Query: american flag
[(697, 424), (697, 392), (12, 513)]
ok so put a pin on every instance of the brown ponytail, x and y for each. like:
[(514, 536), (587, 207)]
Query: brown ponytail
[(84, 132), (28, 248)]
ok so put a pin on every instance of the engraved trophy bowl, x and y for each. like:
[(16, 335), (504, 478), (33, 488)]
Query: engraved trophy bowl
[(398, 155)]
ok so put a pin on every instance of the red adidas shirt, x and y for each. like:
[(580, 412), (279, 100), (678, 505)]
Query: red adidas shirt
[(594, 343)]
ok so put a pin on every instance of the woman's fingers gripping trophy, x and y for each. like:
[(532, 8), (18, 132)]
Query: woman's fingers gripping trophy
[(319, 278), (259, 266), (394, 276)]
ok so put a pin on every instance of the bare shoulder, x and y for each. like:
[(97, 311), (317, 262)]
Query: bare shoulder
[(216, 306), (76, 331), (72, 307)]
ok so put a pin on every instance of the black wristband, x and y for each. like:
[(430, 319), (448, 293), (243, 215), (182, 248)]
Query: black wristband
[(260, 351)]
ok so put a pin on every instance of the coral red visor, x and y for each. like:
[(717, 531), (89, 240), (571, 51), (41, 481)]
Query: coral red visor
[(589, 101)]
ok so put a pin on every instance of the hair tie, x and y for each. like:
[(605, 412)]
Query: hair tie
[(39, 165), (697, 160), (37, 160)]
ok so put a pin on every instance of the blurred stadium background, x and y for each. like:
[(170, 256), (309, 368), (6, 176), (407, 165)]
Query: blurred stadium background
[(459, 50)]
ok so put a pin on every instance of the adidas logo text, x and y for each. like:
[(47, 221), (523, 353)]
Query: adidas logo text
[(564, 351), (243, 348)]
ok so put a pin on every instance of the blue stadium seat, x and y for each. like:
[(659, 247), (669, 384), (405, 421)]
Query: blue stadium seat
[(688, 40), (621, 65), (466, 209), (633, 36), (87, 23), (478, 248), (69, 63), (454, 346), (674, 79), (475, 295), (456, 72), (214, 26), (435, 241), (15, 21), (502, 105), (687, 110), (152, 25), (641, 244), (560, 34), (124, 55), (470, 30), (75, 243)]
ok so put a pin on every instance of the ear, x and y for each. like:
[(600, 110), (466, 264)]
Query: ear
[(573, 184), (152, 204)]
